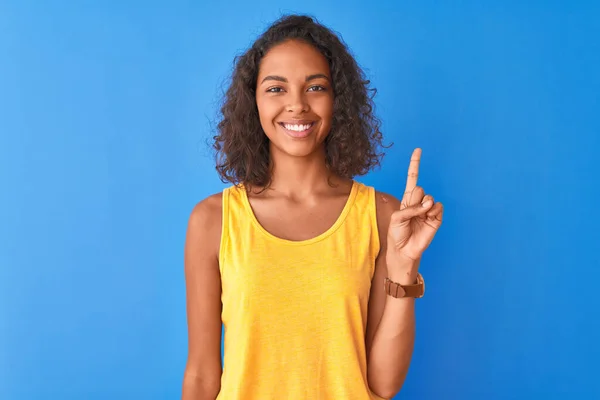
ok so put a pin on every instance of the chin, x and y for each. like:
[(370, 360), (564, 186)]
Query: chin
[(298, 149)]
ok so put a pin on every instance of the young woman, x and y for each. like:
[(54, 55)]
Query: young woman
[(313, 274)]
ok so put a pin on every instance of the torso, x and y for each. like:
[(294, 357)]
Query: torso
[(310, 263)]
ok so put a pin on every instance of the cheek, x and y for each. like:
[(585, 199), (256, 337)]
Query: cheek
[(267, 112), (323, 106), (267, 109)]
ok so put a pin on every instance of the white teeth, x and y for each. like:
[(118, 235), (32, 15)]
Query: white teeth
[(297, 128)]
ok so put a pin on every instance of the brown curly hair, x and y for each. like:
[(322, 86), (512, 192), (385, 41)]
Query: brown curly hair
[(242, 148)]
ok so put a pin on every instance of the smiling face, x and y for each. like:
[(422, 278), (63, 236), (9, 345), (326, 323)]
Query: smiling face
[(295, 98)]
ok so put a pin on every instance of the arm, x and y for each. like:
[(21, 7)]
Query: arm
[(390, 333), (202, 377), (407, 228)]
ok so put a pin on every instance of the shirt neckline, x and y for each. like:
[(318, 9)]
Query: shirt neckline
[(338, 222)]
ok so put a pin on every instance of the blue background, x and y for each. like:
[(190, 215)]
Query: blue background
[(105, 110)]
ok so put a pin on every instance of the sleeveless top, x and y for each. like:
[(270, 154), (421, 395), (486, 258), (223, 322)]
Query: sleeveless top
[(295, 312)]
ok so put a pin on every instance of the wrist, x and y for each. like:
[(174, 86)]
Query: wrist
[(402, 270)]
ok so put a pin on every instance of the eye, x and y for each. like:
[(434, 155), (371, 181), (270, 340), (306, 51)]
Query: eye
[(317, 88), (274, 89)]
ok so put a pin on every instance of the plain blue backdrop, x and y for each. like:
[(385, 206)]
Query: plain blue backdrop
[(105, 111)]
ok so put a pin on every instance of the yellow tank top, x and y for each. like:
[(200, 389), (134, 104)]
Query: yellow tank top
[(295, 312)]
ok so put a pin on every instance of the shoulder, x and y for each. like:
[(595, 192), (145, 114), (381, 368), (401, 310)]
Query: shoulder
[(207, 211), (208, 208), (204, 224), (386, 204)]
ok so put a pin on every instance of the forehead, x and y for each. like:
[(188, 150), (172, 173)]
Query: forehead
[(293, 58)]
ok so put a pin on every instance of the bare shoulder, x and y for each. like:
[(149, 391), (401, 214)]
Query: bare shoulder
[(207, 212), (205, 222), (386, 205), (208, 209)]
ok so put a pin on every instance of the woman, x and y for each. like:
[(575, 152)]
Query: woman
[(313, 274)]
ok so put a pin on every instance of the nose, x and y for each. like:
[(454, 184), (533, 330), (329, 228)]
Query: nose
[(298, 103)]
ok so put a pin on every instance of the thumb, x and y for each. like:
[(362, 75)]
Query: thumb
[(408, 213)]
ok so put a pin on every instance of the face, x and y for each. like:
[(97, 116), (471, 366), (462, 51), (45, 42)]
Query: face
[(295, 99)]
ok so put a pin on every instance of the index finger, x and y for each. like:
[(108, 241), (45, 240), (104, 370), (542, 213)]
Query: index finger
[(413, 171)]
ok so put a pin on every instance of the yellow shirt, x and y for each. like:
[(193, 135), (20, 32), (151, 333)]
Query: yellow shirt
[(295, 312)]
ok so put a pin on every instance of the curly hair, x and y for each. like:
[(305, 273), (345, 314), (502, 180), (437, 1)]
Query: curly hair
[(351, 147)]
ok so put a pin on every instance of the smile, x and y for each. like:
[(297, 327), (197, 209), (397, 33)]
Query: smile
[(298, 130)]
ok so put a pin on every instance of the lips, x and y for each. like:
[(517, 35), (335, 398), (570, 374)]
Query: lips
[(297, 122), (298, 128), (297, 125)]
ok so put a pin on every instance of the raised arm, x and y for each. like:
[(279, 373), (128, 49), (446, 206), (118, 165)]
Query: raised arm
[(202, 376), (406, 229)]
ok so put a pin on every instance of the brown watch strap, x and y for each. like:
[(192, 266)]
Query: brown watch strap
[(398, 291)]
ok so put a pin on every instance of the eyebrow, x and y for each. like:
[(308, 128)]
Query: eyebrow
[(282, 79)]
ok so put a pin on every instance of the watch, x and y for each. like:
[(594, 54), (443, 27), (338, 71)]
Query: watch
[(394, 289)]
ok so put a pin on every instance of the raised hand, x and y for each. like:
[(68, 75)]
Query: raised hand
[(413, 227)]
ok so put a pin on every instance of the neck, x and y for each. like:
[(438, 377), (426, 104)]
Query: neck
[(300, 176)]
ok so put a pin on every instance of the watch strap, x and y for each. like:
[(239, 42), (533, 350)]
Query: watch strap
[(394, 289)]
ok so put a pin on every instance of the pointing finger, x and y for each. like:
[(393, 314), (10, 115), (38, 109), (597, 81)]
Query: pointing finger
[(413, 170)]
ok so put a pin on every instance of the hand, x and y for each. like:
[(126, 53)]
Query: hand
[(413, 227)]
